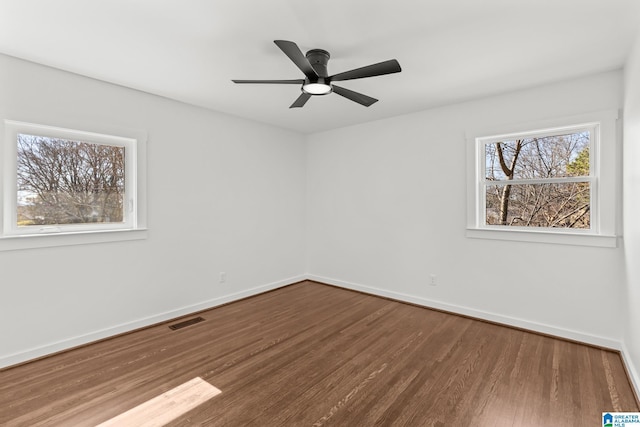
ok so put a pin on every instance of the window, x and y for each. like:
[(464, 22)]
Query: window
[(539, 180), (542, 182), (60, 181)]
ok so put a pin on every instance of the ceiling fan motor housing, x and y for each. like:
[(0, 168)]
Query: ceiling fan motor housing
[(318, 59)]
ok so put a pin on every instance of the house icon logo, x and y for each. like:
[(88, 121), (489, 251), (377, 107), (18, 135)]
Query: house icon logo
[(607, 420)]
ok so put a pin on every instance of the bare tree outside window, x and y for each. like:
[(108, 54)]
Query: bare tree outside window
[(539, 181), (63, 181)]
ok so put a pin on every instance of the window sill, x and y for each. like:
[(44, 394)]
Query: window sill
[(13, 243), (577, 239)]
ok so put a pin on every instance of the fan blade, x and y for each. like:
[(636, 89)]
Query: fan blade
[(302, 99), (387, 67), (286, 82), (295, 54), (354, 96)]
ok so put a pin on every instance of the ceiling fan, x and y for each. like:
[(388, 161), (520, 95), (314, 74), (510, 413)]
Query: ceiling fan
[(317, 80)]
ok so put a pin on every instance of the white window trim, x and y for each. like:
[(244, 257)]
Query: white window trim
[(134, 228), (604, 189)]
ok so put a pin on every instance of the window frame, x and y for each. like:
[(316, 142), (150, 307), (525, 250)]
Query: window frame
[(132, 228), (603, 181)]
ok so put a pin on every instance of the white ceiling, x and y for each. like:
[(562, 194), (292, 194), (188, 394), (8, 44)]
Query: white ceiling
[(450, 50)]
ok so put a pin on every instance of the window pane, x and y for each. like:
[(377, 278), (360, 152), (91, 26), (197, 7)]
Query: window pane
[(563, 205), (556, 156), (62, 181)]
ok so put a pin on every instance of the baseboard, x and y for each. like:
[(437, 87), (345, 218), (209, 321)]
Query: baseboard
[(62, 345), (478, 314), (632, 371)]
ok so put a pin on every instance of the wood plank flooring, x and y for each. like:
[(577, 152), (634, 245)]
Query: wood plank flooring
[(315, 355)]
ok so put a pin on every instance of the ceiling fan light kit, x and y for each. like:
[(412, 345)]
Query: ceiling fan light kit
[(318, 88), (317, 80)]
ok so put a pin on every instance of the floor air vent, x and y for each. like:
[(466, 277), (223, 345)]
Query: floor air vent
[(186, 323)]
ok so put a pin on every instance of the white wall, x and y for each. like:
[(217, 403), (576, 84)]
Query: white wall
[(386, 207), (224, 194), (632, 211)]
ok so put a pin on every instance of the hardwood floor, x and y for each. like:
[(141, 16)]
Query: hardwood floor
[(315, 355)]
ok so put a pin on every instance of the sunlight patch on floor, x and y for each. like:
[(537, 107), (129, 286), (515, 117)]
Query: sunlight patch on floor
[(166, 407)]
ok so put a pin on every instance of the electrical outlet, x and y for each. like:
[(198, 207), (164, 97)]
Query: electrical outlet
[(433, 280), (223, 277)]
